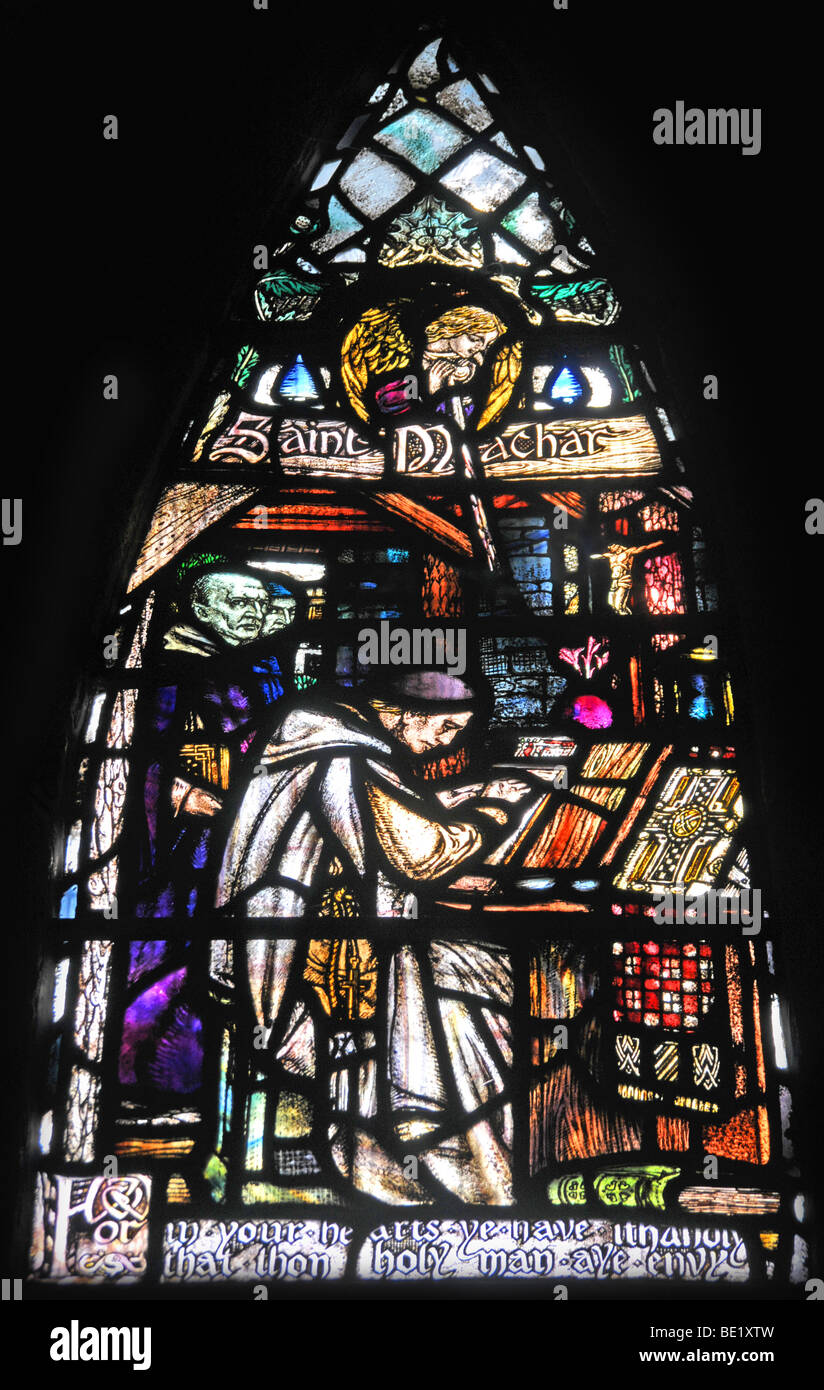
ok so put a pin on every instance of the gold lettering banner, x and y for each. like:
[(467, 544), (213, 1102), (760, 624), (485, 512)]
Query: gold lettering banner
[(326, 449), (542, 450), (571, 448)]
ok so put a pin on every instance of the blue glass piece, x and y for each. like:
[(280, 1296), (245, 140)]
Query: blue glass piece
[(271, 687), (701, 706), (255, 1123), (566, 387), (585, 885), (296, 384), (341, 226), (521, 677), (68, 902), (526, 541)]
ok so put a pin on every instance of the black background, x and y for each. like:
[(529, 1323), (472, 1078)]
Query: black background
[(123, 254)]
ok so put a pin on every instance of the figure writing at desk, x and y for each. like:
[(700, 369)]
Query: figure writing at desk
[(334, 803)]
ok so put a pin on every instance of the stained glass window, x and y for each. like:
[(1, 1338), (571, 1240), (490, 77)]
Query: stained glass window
[(415, 637)]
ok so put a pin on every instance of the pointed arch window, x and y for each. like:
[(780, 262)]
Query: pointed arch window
[(408, 826)]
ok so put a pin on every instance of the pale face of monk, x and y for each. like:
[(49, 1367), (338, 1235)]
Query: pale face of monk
[(233, 605), (424, 732)]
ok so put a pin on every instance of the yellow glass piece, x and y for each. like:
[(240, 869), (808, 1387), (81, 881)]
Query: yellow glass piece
[(208, 761), (688, 832), (616, 761), (344, 975), (293, 1118), (729, 704), (417, 846)]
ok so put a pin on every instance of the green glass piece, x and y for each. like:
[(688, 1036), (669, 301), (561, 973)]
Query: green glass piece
[(282, 294), (215, 1175), (424, 138), (554, 291), (579, 301), (530, 224), (430, 231), (629, 1186), (624, 368), (253, 1193), (625, 1185), (246, 359), (204, 557), (568, 1191), (280, 283)]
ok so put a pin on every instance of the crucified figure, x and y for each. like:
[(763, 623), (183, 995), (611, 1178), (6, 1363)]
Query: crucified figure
[(620, 558)]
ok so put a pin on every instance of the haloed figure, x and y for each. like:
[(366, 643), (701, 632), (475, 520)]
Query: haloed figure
[(337, 824)]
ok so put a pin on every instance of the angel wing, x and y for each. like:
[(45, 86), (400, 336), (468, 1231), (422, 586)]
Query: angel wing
[(376, 344), (505, 372)]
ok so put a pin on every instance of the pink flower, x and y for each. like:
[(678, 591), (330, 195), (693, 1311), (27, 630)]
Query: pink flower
[(592, 712)]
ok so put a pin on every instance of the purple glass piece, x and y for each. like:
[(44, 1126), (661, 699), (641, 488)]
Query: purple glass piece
[(145, 956), (161, 1039)]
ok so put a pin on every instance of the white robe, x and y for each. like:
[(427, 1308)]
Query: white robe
[(321, 775)]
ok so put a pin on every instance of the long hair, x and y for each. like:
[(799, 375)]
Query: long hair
[(464, 318)]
